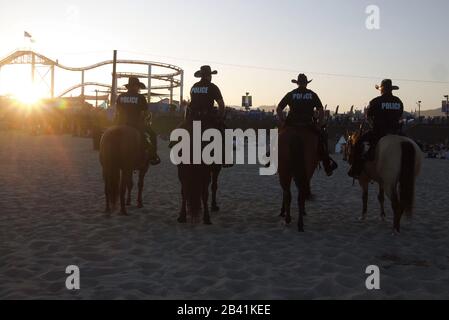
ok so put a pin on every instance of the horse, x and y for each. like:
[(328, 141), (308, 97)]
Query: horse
[(396, 166), (298, 160), (195, 181), (120, 152)]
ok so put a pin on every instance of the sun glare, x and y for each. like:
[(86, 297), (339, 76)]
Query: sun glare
[(29, 95)]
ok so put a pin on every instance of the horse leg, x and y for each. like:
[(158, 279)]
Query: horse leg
[(397, 211), (365, 186), (282, 215), (124, 182), (287, 204), (108, 203), (129, 189), (381, 199), (205, 199), (140, 185), (183, 214), (214, 187), (302, 195)]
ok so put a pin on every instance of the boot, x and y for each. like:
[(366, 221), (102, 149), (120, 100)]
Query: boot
[(154, 158), (329, 166), (328, 163), (356, 168)]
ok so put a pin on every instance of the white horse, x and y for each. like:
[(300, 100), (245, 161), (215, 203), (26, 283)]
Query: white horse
[(397, 164)]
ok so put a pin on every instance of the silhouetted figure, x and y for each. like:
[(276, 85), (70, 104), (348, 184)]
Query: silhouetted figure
[(385, 113), (132, 110), (303, 103)]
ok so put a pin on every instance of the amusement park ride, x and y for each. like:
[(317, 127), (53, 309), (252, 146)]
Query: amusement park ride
[(159, 76)]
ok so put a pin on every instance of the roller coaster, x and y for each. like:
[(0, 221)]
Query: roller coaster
[(168, 77)]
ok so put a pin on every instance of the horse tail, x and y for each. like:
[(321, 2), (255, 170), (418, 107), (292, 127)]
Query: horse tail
[(111, 173), (298, 166), (113, 185), (407, 177)]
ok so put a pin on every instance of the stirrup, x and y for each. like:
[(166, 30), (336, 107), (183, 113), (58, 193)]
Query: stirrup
[(155, 161), (352, 173), (330, 167)]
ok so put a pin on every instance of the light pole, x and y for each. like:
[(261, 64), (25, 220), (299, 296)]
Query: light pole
[(419, 110), (447, 107), (96, 98)]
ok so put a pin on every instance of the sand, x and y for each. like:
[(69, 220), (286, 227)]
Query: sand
[(51, 216)]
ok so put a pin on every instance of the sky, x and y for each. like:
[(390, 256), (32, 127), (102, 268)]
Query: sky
[(256, 46)]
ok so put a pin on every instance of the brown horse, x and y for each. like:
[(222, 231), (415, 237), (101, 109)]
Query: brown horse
[(298, 160), (195, 180), (119, 155), (214, 171), (396, 165)]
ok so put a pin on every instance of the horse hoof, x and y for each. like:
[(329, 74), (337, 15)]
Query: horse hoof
[(362, 218), (124, 213), (301, 229), (207, 221), (215, 208), (282, 215), (182, 219), (140, 206), (396, 233), (304, 214), (288, 220)]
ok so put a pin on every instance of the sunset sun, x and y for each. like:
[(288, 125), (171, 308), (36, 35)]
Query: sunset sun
[(28, 94)]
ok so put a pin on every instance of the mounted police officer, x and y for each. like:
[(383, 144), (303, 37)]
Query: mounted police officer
[(385, 113), (132, 110), (203, 95), (303, 103)]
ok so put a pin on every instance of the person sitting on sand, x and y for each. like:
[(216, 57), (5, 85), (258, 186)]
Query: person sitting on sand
[(302, 103), (132, 110), (385, 113)]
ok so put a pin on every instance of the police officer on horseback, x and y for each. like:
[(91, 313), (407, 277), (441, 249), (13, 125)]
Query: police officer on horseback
[(203, 96), (385, 113), (132, 110), (303, 103)]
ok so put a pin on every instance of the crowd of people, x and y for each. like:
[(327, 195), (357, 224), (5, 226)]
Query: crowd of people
[(81, 119), (436, 150)]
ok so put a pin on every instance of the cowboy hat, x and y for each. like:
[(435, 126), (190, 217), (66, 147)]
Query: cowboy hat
[(205, 71), (302, 79), (388, 84), (134, 81)]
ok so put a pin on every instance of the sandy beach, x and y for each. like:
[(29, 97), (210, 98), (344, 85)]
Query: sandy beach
[(51, 216)]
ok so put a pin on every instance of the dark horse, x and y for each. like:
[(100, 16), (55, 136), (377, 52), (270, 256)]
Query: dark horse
[(298, 160), (120, 152), (195, 181)]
